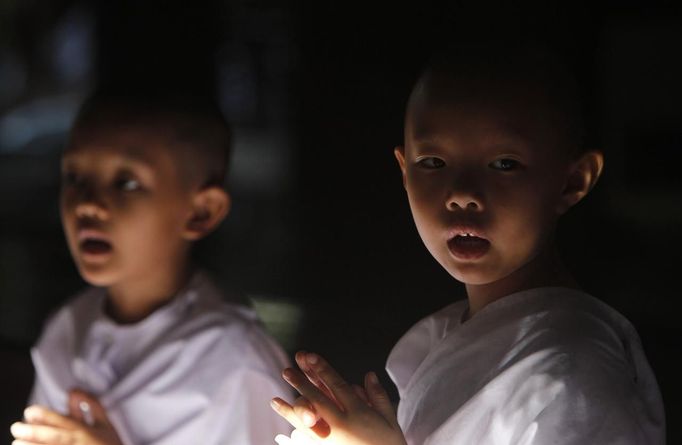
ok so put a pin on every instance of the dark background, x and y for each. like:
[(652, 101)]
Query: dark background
[(320, 236)]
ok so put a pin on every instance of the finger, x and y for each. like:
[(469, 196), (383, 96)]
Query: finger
[(39, 415), (41, 434), (362, 394), (285, 410), (305, 411), (379, 399), (80, 410), (299, 437), (281, 439), (86, 408), (340, 389), (281, 407), (302, 363), (324, 406)]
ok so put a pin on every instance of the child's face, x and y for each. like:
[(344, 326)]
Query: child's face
[(484, 178), (124, 205)]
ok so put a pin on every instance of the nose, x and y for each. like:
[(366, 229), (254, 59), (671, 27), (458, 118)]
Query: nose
[(89, 203), (464, 195), (461, 201), (91, 210)]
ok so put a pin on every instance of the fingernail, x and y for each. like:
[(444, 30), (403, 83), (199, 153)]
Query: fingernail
[(19, 430), (32, 413), (301, 360), (287, 374), (274, 404), (373, 379), (87, 413), (312, 359), (281, 439), (308, 419)]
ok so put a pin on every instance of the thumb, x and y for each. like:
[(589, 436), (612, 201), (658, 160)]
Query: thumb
[(379, 399), (86, 408)]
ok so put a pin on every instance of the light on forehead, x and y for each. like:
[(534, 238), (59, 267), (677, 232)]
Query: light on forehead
[(494, 125), (121, 152), (527, 86)]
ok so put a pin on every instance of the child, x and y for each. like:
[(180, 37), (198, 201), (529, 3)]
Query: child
[(152, 354), (493, 156)]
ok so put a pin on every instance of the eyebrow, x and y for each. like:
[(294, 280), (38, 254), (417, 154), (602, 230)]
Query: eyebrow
[(514, 139), (135, 154), (511, 139), (130, 157)]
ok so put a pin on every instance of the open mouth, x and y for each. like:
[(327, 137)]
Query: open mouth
[(93, 246), (468, 246), (94, 243)]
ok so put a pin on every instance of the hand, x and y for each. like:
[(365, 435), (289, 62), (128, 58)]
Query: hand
[(302, 407), (297, 437), (351, 417), (87, 424)]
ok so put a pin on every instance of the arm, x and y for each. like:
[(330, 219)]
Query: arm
[(348, 418)]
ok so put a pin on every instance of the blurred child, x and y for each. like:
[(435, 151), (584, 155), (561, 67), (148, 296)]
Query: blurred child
[(153, 353), (493, 156)]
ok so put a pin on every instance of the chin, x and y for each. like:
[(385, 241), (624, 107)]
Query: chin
[(97, 276), (471, 278), (473, 274)]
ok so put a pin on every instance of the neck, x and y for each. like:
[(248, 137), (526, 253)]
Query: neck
[(545, 270), (135, 300)]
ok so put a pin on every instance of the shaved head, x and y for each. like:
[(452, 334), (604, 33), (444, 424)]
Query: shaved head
[(194, 128), (506, 79)]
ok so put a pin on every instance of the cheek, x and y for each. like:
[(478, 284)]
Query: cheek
[(67, 216), (424, 185), (429, 226), (423, 211), (425, 194), (151, 223), (66, 203), (526, 220)]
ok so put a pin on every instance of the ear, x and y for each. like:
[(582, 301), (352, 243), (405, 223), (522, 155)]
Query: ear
[(210, 205), (583, 175), (399, 153)]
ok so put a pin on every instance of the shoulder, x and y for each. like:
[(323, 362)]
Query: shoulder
[(586, 326), (592, 359), (58, 345), (571, 325), (416, 344), (70, 320), (223, 332)]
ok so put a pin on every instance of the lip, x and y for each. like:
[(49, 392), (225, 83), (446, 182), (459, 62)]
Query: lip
[(93, 254), (467, 243), (92, 234), (463, 229)]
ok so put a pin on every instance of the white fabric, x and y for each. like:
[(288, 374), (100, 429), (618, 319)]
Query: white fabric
[(544, 366), (196, 371)]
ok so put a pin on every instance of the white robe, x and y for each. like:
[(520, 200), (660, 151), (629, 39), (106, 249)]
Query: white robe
[(196, 371), (543, 366)]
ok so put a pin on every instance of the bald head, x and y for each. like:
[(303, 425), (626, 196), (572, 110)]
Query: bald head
[(193, 128), (513, 83)]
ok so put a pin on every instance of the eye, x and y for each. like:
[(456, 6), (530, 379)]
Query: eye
[(128, 184), (505, 164), (71, 179), (431, 163)]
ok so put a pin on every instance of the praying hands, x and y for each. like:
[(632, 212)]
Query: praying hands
[(86, 424), (331, 411)]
